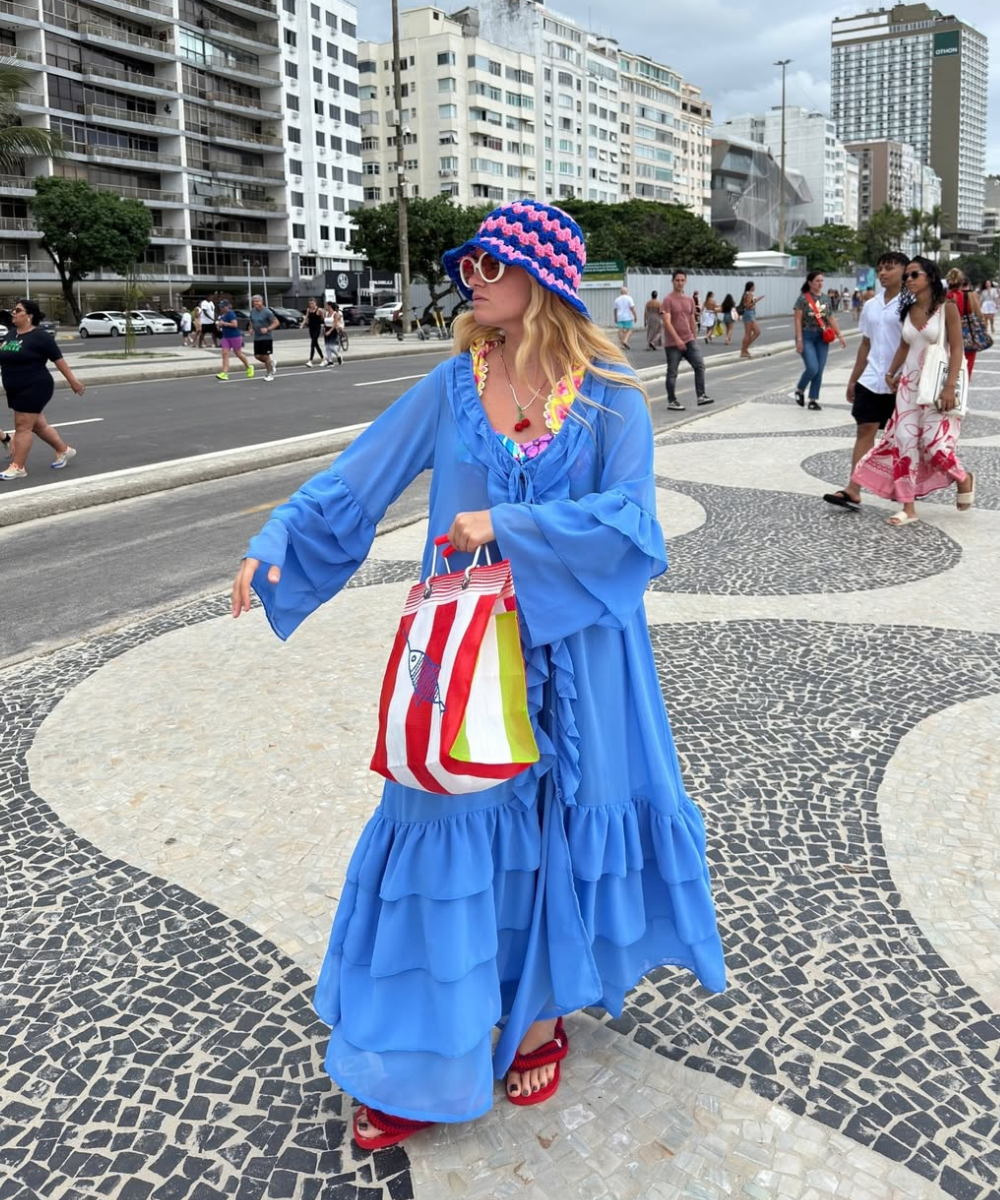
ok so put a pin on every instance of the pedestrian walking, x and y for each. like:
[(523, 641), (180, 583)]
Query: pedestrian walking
[(185, 328), (680, 337), (960, 293), (231, 341), (333, 325), (815, 329), (653, 321), (747, 312), (917, 455), (196, 334), (709, 315), (728, 315), (857, 304), (871, 400), (562, 886), (314, 321), (207, 309), (264, 323), (625, 316), (25, 355), (988, 299)]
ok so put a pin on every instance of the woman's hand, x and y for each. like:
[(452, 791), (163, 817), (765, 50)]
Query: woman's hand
[(470, 530), (948, 399), (77, 387), (798, 345), (892, 380), (241, 584)]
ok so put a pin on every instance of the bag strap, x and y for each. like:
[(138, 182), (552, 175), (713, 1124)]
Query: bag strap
[(819, 319), (940, 336)]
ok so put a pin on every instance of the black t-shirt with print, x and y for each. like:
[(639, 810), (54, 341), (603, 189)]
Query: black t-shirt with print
[(25, 358)]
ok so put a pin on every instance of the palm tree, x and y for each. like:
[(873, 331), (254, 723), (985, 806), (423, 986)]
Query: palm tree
[(17, 141), (916, 220)]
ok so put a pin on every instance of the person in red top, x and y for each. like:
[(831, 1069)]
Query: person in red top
[(966, 301), (680, 339)]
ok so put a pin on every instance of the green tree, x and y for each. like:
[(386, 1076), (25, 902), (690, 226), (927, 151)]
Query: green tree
[(917, 225), (883, 232), (931, 233), (434, 224), (84, 230), (827, 247), (17, 141), (643, 233)]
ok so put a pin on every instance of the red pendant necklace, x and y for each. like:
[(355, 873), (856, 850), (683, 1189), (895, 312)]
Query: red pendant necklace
[(522, 422)]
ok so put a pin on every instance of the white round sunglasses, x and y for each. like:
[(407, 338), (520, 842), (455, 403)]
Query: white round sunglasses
[(488, 268)]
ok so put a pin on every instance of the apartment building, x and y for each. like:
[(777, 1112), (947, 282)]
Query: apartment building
[(468, 115), (892, 173), (182, 105), (812, 149), (912, 75), (666, 142)]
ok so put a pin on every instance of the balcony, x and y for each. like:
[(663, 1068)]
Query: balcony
[(16, 183), (242, 70), (155, 195), (31, 100), (160, 46), (18, 268), (122, 75), (243, 103), (242, 205), (236, 237), (267, 7), (219, 133), (29, 59), (124, 154), (159, 232), (237, 33), (235, 170), (18, 225), (149, 9), (12, 13), (129, 116)]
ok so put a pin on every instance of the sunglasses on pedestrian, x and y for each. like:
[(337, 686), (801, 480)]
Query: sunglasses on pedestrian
[(488, 268), (914, 274)]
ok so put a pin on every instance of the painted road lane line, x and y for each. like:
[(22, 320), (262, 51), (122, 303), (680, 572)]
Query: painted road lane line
[(396, 379)]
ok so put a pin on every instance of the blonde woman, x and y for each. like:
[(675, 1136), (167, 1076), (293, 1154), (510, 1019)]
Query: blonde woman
[(517, 905)]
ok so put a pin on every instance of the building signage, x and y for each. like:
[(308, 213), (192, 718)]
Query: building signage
[(604, 268), (946, 43)]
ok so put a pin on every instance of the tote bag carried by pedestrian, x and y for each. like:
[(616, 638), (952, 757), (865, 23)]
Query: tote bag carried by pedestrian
[(934, 374), (827, 333), (453, 713)]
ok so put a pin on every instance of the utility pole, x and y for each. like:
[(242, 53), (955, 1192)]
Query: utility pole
[(783, 63), (404, 235)]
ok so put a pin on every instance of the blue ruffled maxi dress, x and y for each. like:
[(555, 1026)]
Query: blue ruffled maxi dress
[(562, 887)]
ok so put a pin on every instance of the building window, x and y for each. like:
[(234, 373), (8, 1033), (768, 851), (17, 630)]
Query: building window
[(291, 70), (372, 168), (350, 29), (298, 199), (324, 233), (290, 38), (340, 234), (294, 166), (299, 231), (291, 102), (446, 58), (293, 134)]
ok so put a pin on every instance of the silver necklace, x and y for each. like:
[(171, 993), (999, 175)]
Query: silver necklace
[(523, 422)]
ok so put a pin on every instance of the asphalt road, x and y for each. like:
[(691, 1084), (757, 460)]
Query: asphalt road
[(68, 576)]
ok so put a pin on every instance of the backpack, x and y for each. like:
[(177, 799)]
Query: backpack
[(741, 307)]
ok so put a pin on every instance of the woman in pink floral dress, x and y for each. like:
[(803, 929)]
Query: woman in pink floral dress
[(917, 454)]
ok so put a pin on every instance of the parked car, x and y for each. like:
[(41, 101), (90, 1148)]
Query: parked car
[(7, 323), (110, 323), (358, 314), (174, 314), (157, 322), (387, 312), (288, 318)]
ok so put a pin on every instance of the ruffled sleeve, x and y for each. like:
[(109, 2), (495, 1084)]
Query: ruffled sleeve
[(584, 562), (323, 533)]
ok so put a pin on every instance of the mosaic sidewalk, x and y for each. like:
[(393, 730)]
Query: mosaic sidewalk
[(177, 810)]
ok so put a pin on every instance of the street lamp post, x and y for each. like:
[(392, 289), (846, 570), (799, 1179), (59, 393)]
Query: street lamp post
[(246, 263), (783, 63), (27, 278), (170, 284), (404, 236), (263, 275)]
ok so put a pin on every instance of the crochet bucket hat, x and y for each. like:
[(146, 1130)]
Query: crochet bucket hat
[(544, 241)]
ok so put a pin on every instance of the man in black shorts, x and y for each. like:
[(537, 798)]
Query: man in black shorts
[(264, 323), (871, 404)]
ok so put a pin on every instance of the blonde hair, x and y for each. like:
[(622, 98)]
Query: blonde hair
[(954, 278), (559, 339)]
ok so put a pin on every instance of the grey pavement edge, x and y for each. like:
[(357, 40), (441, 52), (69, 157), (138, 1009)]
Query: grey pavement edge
[(72, 496)]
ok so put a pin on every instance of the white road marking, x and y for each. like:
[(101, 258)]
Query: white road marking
[(86, 421), (395, 379)]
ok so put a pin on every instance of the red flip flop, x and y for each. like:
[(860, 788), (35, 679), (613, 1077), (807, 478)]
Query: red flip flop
[(551, 1052), (392, 1129)]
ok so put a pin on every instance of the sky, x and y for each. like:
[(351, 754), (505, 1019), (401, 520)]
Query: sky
[(727, 47)]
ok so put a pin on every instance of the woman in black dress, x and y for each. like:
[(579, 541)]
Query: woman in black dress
[(25, 355)]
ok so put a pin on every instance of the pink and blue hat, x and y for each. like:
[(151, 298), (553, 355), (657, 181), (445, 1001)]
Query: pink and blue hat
[(541, 239)]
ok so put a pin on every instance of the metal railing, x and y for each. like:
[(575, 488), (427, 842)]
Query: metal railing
[(32, 99), (22, 224), (141, 6), (253, 70), (18, 268), (237, 31), (25, 12), (138, 193), (158, 231), (266, 6), (114, 33), (22, 54), (131, 115), (136, 78), (236, 235), (244, 171), (243, 102), (18, 182), (221, 133), (124, 152), (252, 203)]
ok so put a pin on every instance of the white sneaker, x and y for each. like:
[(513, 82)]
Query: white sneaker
[(61, 460), (269, 377), (13, 472)]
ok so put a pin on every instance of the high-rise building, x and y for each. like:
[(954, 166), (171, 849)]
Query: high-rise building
[(891, 173), (813, 149), (201, 109), (913, 75)]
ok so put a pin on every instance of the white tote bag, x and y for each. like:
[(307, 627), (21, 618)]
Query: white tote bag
[(934, 374)]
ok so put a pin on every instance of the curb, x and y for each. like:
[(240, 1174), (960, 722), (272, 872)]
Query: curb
[(75, 496)]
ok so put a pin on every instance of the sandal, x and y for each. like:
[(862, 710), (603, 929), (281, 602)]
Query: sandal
[(814, 406), (551, 1052), (969, 497), (800, 398), (392, 1129), (842, 499), (901, 518)]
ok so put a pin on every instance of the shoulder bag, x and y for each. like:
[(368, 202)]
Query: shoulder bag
[(828, 333), (934, 375)]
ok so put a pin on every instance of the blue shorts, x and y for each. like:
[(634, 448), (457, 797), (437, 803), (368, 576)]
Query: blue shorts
[(626, 324)]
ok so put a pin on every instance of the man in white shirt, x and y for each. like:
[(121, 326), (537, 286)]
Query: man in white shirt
[(871, 404), (207, 307), (624, 316)]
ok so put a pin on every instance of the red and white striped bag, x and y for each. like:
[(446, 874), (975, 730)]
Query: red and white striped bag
[(453, 713)]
